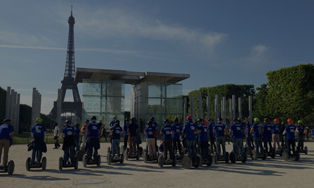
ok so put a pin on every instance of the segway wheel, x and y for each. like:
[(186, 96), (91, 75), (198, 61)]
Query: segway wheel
[(285, 155), (233, 157), (10, 167), (43, 163), (186, 162), (140, 151), (60, 163), (254, 155), (200, 159), (216, 157), (244, 158), (85, 160), (98, 160), (174, 161), (227, 157), (126, 155), (108, 158), (264, 155), (209, 160), (145, 156), (28, 163), (273, 154), (76, 163), (138, 155), (122, 159), (298, 156), (122, 149), (305, 150), (161, 161)]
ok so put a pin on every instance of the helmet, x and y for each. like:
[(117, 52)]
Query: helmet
[(209, 119), (115, 117), (86, 120), (219, 119), (235, 119), (152, 118), (300, 121), (93, 118), (290, 121), (189, 117), (77, 124), (200, 120), (176, 119), (149, 122), (166, 121), (133, 119), (276, 120), (256, 119), (39, 120), (117, 122), (127, 119), (265, 119), (68, 122), (6, 120)]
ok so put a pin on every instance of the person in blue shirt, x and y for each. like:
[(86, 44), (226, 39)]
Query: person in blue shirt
[(283, 136), (38, 132), (114, 118), (6, 134), (68, 142), (248, 135), (211, 135), (267, 134), (92, 131), (166, 132), (289, 132), (300, 131), (132, 130), (236, 130), (312, 130), (155, 125), (177, 129), (275, 134), (150, 139), (125, 133), (227, 136), (203, 139), (78, 133), (117, 129), (258, 129), (220, 130), (189, 131)]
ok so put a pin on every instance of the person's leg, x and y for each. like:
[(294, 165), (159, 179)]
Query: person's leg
[(170, 148), (34, 155), (114, 148), (269, 143), (240, 145), (1, 146), (273, 136), (133, 144), (235, 148), (218, 140), (72, 154), (189, 148), (174, 146), (150, 144), (179, 146), (118, 146), (277, 140), (66, 155), (40, 154), (256, 145), (194, 150), (293, 146), (165, 149), (6, 147), (223, 146)]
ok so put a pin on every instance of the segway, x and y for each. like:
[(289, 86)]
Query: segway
[(128, 156), (271, 153), (301, 150), (286, 155), (203, 161), (68, 163), (112, 159), (162, 161), (148, 157), (247, 150), (234, 158), (187, 163), (30, 164), (80, 153), (256, 155), (221, 157), (9, 168), (87, 161), (279, 151)]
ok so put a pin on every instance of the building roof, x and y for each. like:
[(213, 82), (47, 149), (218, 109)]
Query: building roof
[(127, 76)]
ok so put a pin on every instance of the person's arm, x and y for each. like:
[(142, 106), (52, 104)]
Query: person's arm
[(62, 135), (11, 134), (252, 130)]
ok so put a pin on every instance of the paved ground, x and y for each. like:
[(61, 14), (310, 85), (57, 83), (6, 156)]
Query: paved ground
[(269, 173)]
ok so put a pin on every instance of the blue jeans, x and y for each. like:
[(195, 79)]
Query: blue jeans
[(249, 140), (267, 140), (39, 155), (115, 147), (66, 155), (191, 146), (77, 146), (237, 146), (258, 144), (300, 141), (221, 141)]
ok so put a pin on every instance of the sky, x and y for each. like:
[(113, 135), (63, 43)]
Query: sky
[(216, 42)]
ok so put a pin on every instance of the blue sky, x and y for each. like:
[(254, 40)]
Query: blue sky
[(216, 42)]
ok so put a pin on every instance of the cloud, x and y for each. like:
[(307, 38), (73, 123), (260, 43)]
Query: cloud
[(258, 53)]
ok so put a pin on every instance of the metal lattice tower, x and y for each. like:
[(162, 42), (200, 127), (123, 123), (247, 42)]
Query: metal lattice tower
[(68, 80)]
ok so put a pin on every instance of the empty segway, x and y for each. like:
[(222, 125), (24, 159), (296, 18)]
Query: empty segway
[(256, 155), (221, 157), (30, 164), (128, 156), (234, 158), (286, 155), (148, 157), (87, 161), (114, 159), (68, 163), (80, 153), (9, 168)]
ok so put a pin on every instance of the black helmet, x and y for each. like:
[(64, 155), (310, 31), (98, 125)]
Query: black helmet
[(219, 119), (93, 118), (133, 119), (127, 119), (117, 122), (6, 120), (86, 120), (149, 122), (68, 122), (200, 120), (166, 121), (209, 119), (176, 119), (235, 119), (152, 118)]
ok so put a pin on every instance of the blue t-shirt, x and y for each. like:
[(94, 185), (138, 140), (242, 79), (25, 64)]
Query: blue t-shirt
[(203, 135), (258, 129), (68, 131), (132, 129), (5, 130), (125, 128), (117, 130), (290, 132), (312, 131), (38, 130), (300, 129), (112, 123), (276, 128), (189, 128), (237, 130), (210, 129), (155, 125), (267, 130), (219, 129), (93, 128), (166, 131), (248, 127), (150, 132), (177, 129)]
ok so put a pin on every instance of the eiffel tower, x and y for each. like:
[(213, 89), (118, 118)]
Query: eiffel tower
[(68, 80)]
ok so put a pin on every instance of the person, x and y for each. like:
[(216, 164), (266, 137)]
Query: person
[(312, 133), (283, 136), (125, 133), (68, 142), (103, 130), (155, 125), (258, 129), (56, 136), (92, 143), (267, 134), (112, 122), (203, 139), (236, 130), (300, 134), (211, 135), (227, 132), (38, 132), (248, 135), (141, 126), (150, 139), (177, 129), (83, 131), (289, 132), (166, 132), (189, 131), (220, 130), (132, 130), (78, 133), (116, 128), (6, 135), (307, 133), (275, 134)]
